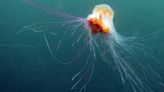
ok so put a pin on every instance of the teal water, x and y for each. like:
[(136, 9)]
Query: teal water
[(26, 65)]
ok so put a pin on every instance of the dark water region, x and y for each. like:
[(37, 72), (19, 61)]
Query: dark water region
[(26, 65)]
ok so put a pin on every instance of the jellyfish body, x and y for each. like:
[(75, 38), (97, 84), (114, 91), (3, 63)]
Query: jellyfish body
[(101, 19), (122, 49), (99, 37)]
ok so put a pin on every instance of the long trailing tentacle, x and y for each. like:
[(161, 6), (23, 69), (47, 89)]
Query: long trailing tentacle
[(43, 28), (83, 77), (125, 69), (49, 10), (124, 51)]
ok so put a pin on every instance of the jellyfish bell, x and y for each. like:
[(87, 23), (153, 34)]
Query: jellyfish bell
[(101, 19)]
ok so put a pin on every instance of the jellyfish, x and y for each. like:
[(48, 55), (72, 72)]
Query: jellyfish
[(96, 36)]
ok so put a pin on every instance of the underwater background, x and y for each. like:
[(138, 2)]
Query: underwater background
[(26, 65)]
